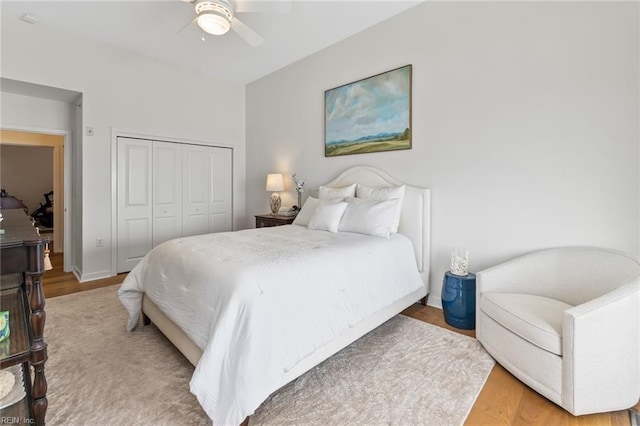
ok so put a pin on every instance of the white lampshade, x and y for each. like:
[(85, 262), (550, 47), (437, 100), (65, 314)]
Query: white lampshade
[(275, 182), (213, 24)]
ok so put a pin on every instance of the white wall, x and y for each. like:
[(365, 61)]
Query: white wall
[(35, 112), (525, 123), (124, 92), (76, 190)]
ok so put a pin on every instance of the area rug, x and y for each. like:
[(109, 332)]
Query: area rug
[(404, 372)]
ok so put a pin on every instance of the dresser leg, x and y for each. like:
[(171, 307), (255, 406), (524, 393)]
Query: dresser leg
[(38, 347), (40, 404)]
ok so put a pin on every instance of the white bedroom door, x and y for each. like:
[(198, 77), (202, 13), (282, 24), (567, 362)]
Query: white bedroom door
[(134, 201), (220, 202), (167, 191)]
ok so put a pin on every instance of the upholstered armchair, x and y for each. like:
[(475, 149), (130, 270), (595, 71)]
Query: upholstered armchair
[(566, 322)]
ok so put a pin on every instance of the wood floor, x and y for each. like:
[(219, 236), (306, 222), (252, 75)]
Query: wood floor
[(504, 400), (58, 283)]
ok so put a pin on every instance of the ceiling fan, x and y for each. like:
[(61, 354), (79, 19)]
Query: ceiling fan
[(216, 17)]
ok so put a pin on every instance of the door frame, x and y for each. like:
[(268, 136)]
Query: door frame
[(67, 245)]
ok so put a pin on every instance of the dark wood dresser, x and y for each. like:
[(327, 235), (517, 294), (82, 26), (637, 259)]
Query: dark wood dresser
[(21, 271)]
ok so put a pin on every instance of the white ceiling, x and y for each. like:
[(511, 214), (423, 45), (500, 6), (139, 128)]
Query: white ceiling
[(149, 28)]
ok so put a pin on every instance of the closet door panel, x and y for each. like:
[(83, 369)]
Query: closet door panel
[(167, 191), (220, 195), (134, 210), (195, 190)]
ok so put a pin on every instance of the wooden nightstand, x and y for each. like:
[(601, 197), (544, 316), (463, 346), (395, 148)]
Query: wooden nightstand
[(266, 220)]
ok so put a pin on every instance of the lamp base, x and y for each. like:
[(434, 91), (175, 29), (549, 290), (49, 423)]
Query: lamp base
[(275, 202)]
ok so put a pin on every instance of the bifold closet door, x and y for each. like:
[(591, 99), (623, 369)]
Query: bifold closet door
[(134, 201), (206, 189), (167, 191), (195, 190), (220, 170)]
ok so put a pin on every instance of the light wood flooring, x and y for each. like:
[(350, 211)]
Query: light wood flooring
[(504, 400)]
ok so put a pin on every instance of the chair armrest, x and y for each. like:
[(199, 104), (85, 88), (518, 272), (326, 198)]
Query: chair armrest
[(601, 351)]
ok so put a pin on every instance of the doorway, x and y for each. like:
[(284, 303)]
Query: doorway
[(33, 171)]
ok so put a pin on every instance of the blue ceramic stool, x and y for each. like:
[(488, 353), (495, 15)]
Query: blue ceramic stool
[(459, 300)]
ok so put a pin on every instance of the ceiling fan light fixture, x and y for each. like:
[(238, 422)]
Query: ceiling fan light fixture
[(212, 23), (214, 16)]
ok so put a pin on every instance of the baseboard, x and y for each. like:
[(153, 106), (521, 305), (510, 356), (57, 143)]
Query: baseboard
[(76, 272), (436, 302), (82, 278), (94, 276)]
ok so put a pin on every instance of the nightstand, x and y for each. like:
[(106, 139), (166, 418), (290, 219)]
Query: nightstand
[(266, 220)]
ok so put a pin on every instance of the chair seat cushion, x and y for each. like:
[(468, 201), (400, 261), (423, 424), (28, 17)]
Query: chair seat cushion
[(536, 319)]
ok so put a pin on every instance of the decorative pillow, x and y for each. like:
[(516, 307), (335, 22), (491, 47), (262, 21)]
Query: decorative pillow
[(385, 193), (370, 217), (306, 212), (327, 216), (342, 193)]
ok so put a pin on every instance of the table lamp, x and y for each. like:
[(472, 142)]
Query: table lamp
[(275, 183)]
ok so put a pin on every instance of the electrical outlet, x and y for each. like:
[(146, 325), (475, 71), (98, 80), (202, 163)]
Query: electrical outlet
[(99, 242)]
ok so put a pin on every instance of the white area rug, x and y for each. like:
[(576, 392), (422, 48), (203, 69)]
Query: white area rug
[(404, 372)]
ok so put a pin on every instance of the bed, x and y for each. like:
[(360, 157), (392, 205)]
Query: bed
[(287, 298)]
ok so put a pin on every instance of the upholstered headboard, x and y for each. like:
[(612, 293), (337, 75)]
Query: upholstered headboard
[(415, 218)]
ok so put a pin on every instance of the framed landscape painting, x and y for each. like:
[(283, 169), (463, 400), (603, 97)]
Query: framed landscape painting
[(369, 115)]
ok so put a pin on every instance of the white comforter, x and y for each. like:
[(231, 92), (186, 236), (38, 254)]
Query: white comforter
[(258, 301)]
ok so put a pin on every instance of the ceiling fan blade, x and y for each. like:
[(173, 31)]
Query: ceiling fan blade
[(262, 6), (250, 36), (190, 22)]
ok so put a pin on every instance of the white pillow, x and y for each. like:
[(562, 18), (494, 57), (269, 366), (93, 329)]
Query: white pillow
[(327, 216), (309, 206), (369, 217), (386, 193), (305, 213), (342, 193)]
